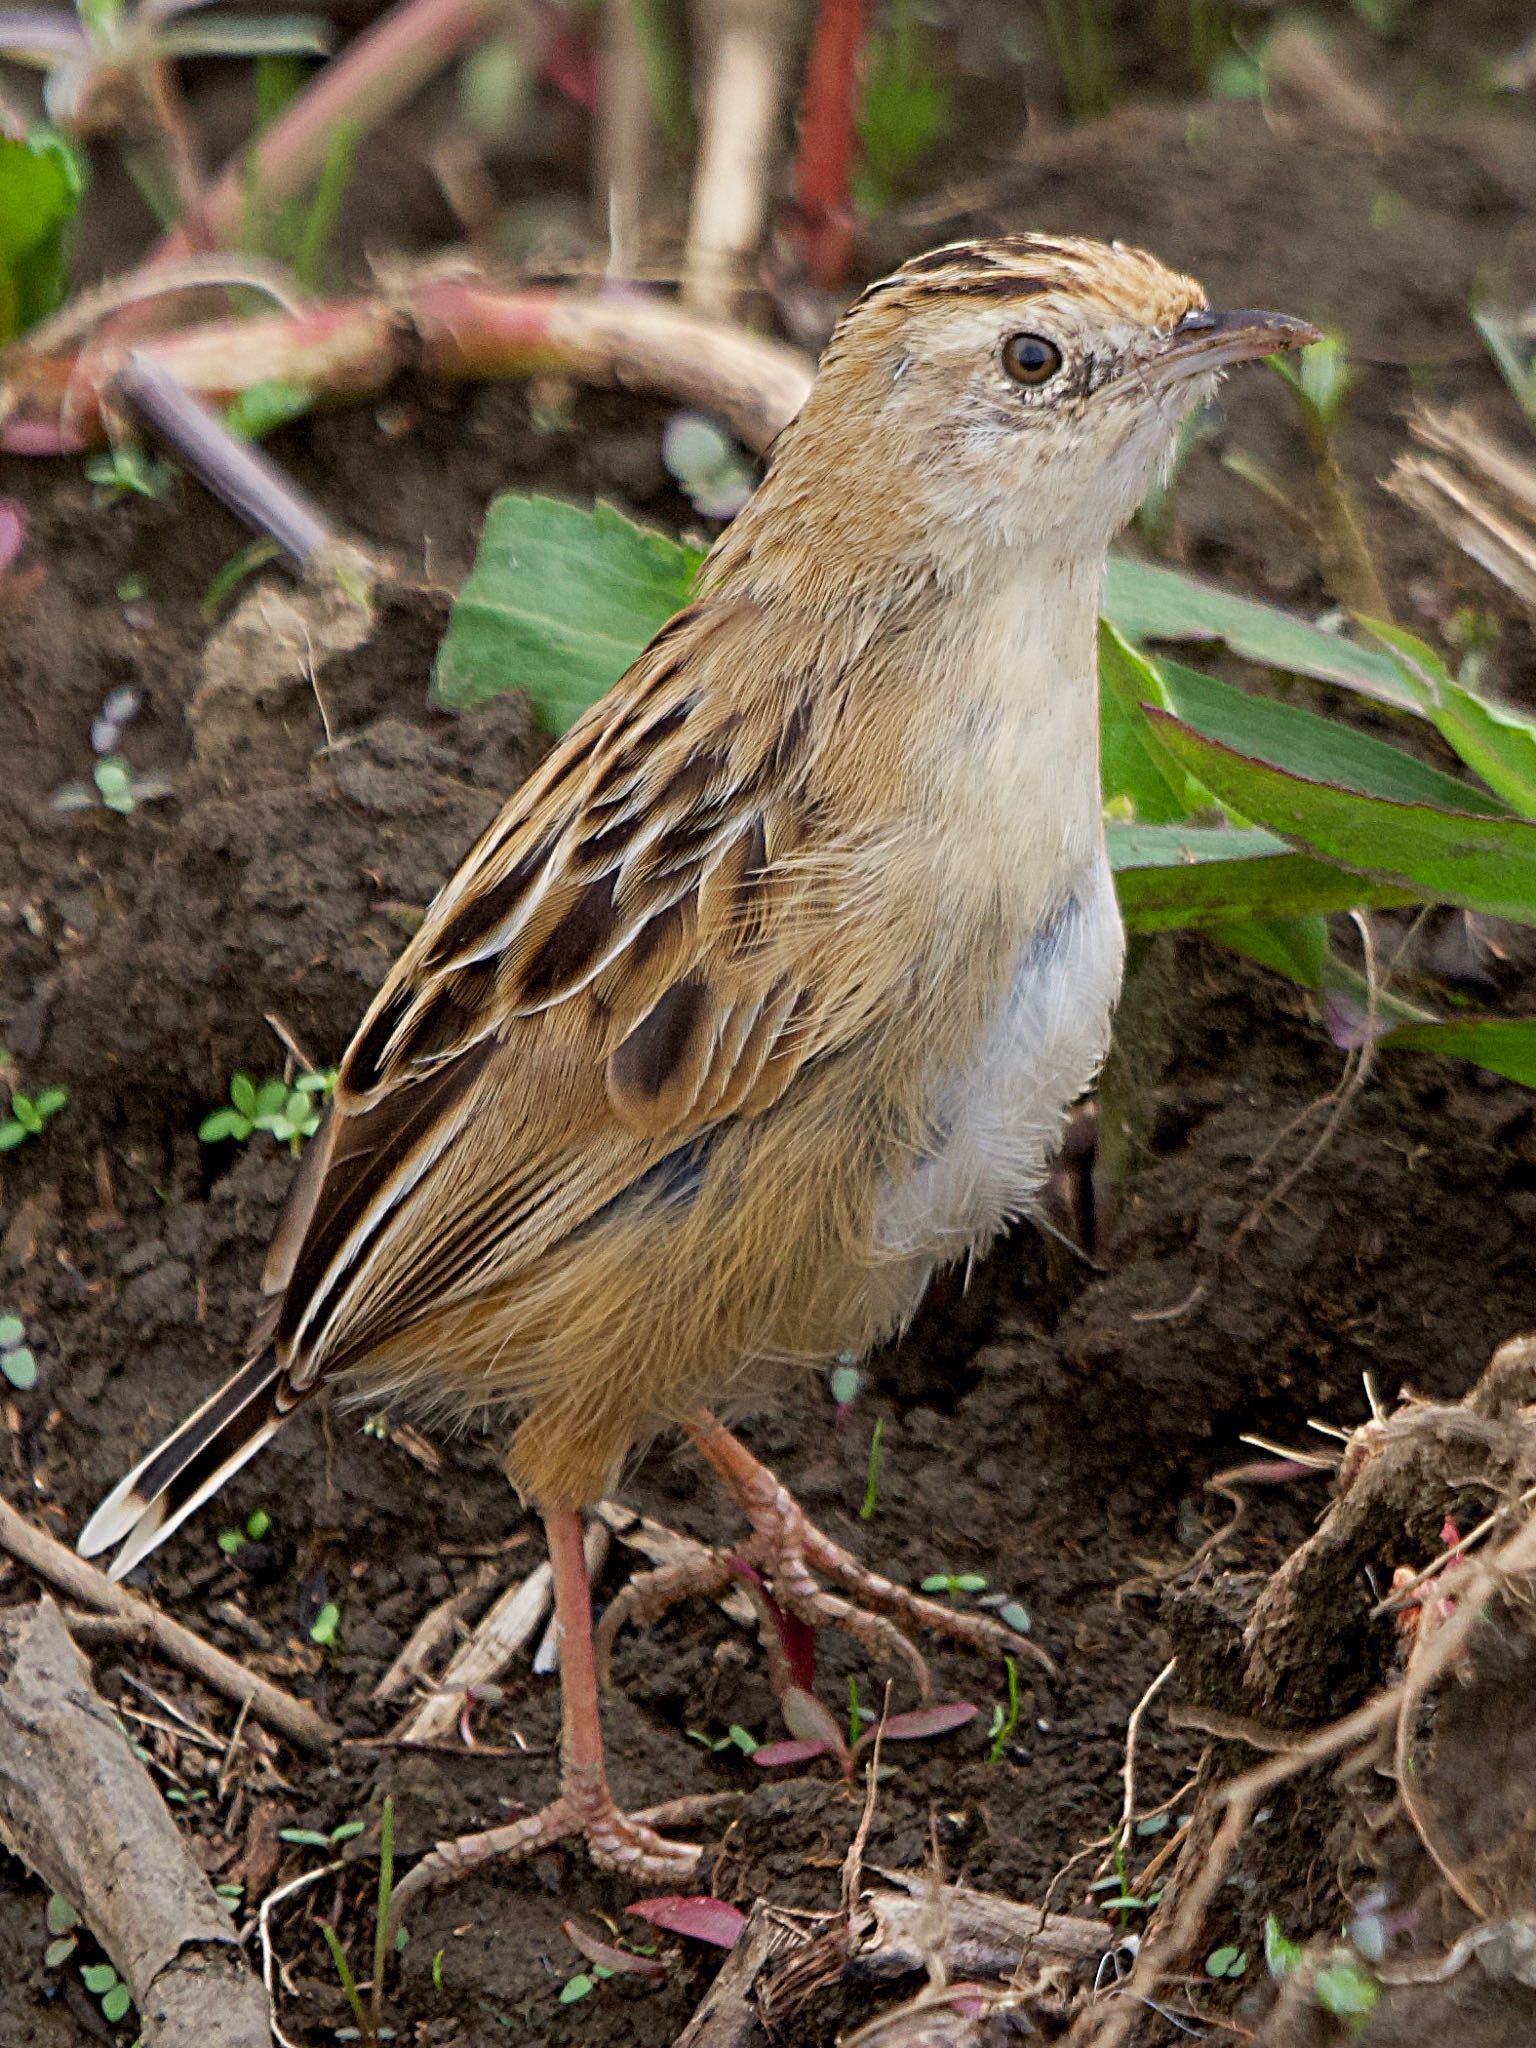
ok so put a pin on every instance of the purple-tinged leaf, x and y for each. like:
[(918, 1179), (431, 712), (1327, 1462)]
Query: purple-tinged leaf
[(13, 532), (923, 1722), (771, 1754), (621, 1961), (809, 1721), (702, 1919)]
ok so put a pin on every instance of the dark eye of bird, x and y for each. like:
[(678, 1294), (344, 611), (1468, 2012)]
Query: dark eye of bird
[(1030, 359)]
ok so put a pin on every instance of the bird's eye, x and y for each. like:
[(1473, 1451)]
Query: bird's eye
[(1030, 359)]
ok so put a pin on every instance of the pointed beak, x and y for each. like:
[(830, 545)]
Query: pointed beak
[(1203, 342)]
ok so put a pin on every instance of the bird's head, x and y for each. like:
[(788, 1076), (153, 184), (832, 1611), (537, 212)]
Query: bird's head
[(1022, 393)]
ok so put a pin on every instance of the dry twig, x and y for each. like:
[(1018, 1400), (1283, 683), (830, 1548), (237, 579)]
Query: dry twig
[(74, 1577)]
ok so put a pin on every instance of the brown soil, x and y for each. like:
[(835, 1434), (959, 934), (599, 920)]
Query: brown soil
[(1051, 1426)]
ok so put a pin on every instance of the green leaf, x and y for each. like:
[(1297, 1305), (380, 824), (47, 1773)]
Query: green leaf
[(260, 410), (1197, 876), (116, 2003), (20, 1368), (12, 1135), (258, 1525), (1495, 741), (98, 1977), (60, 1951), (1296, 947), (60, 1915), (1135, 769), (271, 1098), (1345, 1990), (41, 183), (1148, 603), (1479, 862), (51, 1101), (1226, 1961), (12, 1330), (304, 1838), (323, 1628), (348, 1831), (223, 1123), (1504, 1045), (574, 1988), (229, 1541), (242, 1093), (559, 603), (1324, 749)]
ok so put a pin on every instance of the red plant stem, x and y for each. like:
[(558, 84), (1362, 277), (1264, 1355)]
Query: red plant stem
[(824, 160), (456, 328)]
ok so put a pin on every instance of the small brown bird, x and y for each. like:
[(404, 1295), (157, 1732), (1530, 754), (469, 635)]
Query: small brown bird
[(767, 992)]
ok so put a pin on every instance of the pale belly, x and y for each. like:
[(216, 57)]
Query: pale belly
[(996, 1119)]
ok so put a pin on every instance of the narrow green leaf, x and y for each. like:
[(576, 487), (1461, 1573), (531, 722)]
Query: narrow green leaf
[(1442, 856), (559, 603), (1176, 876), (1135, 769), (1496, 741), (1324, 749), (41, 183), (1504, 1045), (1145, 602)]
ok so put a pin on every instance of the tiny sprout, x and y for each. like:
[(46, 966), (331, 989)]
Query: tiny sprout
[(735, 1737), (845, 1385), (1226, 1961), (324, 1627), (113, 787), (1004, 1720), (257, 1525), (1281, 1953), (954, 1582), (289, 1114), (17, 1361), (872, 1476), (131, 589), (1346, 1990), (128, 472), (29, 1114), (103, 1982)]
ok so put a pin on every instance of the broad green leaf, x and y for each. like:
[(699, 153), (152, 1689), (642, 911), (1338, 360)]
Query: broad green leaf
[(1505, 1045), (1135, 769), (1496, 741), (559, 603), (1148, 603), (1443, 856), (1322, 749), (1296, 947), (41, 182), (1170, 876)]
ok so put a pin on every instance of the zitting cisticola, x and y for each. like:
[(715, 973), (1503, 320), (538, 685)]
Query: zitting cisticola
[(768, 990)]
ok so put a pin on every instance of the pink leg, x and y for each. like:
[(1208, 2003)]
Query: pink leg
[(787, 1549), (585, 1806)]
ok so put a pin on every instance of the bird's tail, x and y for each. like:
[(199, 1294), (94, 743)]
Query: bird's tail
[(193, 1462)]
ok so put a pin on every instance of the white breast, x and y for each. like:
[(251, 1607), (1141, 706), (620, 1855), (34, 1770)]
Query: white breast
[(996, 1120)]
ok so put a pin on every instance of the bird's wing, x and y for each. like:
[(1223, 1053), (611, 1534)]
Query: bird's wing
[(631, 954)]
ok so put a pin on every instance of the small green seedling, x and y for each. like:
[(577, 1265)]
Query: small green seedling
[(312, 1838), (113, 787), (583, 1984), (369, 2017), (1011, 1613), (128, 473), (1004, 1721), (735, 1737), (103, 1982), (131, 589), (872, 1476), (326, 1626), (62, 1921), (1226, 1961), (290, 1114), (29, 1114), (845, 1383), (256, 1527), (17, 1362), (954, 1582)]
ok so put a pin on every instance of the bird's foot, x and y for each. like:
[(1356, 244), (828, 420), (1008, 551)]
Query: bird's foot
[(786, 1558), (618, 1841)]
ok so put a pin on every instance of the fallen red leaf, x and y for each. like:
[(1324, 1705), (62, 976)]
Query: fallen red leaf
[(704, 1919)]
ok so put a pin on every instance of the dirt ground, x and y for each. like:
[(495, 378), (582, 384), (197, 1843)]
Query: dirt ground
[(1051, 1426)]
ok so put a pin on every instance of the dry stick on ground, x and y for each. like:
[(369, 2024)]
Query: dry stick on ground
[(74, 1577), (433, 1631), (506, 1629), (78, 1806), (1169, 1941), (452, 325)]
